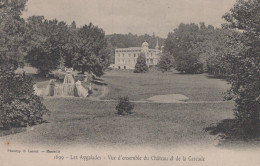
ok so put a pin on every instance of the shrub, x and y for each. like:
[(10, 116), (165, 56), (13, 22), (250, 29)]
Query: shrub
[(140, 66), (124, 106), (19, 105)]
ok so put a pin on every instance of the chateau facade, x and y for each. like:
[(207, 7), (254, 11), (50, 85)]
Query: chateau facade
[(126, 58)]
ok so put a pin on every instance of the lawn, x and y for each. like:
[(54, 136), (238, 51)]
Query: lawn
[(197, 87), (77, 121), (83, 122)]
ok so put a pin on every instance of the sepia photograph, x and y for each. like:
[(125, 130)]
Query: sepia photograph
[(130, 82)]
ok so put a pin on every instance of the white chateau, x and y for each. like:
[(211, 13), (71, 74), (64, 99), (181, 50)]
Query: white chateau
[(126, 58)]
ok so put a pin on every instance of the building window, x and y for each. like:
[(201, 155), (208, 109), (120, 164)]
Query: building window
[(134, 55)]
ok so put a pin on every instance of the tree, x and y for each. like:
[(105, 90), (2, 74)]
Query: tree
[(140, 66), (182, 39), (12, 29), (188, 63), (19, 106), (214, 51), (245, 80), (90, 50), (181, 44), (46, 43), (166, 62)]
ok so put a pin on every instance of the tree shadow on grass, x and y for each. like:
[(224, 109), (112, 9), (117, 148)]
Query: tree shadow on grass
[(216, 77), (5, 132), (230, 133), (15, 129)]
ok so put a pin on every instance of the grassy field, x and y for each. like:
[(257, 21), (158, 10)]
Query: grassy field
[(142, 86), (76, 121)]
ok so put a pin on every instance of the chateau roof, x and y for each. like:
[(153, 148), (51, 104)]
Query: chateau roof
[(145, 44)]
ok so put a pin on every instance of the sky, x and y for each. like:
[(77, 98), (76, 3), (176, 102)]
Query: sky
[(132, 16)]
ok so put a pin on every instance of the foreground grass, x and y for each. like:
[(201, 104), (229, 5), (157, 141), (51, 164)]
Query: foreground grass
[(198, 87), (78, 121)]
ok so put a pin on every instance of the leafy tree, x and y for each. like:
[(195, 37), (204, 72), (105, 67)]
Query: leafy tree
[(131, 40), (90, 50), (182, 39), (70, 46), (46, 43), (181, 44), (19, 106), (140, 66), (43, 59), (188, 63), (214, 51), (12, 29), (166, 62), (245, 80)]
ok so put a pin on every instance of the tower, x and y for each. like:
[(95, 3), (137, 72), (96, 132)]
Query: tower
[(145, 47), (157, 45)]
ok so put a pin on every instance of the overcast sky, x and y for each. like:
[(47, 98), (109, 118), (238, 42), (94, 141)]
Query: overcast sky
[(135, 16)]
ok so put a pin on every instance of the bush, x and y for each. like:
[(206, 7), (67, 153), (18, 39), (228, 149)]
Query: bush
[(19, 105), (124, 106), (140, 66)]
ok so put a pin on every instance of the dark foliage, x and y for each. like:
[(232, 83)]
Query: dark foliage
[(166, 62), (46, 43), (140, 66), (188, 63), (12, 30), (90, 52), (231, 130), (19, 105), (124, 106), (42, 59), (245, 79)]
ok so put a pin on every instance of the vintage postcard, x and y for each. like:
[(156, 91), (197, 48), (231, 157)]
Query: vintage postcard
[(129, 82)]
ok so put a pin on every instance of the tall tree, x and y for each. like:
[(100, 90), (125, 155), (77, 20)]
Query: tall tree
[(166, 62), (90, 50), (141, 66), (180, 45), (46, 41), (12, 29), (245, 80), (19, 106)]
